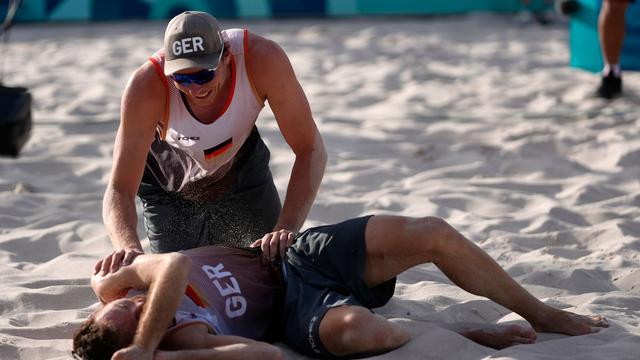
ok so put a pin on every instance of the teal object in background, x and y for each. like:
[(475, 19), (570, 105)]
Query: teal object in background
[(166, 9), (98, 10), (424, 7), (253, 8), (342, 7), (585, 45), (408, 7), (72, 10)]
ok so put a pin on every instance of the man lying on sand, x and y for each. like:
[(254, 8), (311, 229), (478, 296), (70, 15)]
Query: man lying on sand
[(225, 301)]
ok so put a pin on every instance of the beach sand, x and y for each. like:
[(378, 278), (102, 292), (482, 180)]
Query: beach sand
[(470, 118)]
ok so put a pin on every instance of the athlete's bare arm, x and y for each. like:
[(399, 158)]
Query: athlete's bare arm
[(165, 277), (194, 342), (276, 83), (142, 107)]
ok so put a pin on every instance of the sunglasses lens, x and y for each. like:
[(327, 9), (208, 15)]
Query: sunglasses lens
[(201, 77)]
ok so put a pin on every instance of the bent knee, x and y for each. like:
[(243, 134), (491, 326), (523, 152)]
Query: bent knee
[(435, 224), (436, 235), (343, 323), (372, 332), (357, 330), (354, 319)]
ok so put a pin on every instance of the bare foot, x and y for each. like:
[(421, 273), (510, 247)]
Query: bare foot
[(565, 322), (499, 336)]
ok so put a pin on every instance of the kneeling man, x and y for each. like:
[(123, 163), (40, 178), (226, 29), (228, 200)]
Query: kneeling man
[(230, 302)]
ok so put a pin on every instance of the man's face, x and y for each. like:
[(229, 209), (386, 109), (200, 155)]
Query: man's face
[(123, 314), (203, 94)]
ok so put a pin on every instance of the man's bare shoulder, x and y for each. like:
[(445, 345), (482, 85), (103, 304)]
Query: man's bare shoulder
[(260, 45), (265, 52), (144, 97), (268, 63), (146, 81)]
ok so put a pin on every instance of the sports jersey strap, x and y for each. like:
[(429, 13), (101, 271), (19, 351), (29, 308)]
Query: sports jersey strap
[(248, 66), (165, 118)]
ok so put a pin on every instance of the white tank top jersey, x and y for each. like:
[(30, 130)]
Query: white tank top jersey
[(205, 150)]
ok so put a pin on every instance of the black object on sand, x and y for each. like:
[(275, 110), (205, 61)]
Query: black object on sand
[(15, 119), (15, 102)]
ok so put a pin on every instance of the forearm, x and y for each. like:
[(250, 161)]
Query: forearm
[(254, 350), (120, 218), (306, 176), (168, 285)]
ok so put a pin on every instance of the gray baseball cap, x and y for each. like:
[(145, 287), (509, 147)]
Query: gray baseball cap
[(192, 40)]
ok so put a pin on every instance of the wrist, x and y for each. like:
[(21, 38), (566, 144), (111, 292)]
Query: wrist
[(142, 347), (286, 226), (133, 248), (130, 246)]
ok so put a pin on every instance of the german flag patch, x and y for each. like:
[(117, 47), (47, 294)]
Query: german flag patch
[(219, 149)]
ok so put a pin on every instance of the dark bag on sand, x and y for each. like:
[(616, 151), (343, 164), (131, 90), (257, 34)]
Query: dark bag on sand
[(15, 119)]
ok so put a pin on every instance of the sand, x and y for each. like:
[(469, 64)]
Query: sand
[(474, 119)]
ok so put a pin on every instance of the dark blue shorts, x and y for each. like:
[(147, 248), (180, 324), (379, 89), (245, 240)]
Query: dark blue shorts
[(241, 209), (324, 269)]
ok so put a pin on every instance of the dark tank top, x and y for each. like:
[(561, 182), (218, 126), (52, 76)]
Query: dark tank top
[(232, 292)]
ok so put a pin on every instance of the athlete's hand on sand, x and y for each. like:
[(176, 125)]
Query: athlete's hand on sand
[(132, 352), (275, 243), (114, 261)]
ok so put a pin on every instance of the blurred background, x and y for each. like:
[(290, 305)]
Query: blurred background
[(88, 10)]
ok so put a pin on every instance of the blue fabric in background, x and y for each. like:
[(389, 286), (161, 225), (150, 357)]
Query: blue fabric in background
[(585, 45)]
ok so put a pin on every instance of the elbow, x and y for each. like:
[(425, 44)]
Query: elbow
[(179, 262), (312, 149), (322, 161), (318, 154), (183, 262), (320, 149), (322, 154)]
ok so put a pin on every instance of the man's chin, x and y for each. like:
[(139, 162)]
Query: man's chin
[(204, 96)]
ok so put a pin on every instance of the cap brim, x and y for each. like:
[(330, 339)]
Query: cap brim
[(202, 62)]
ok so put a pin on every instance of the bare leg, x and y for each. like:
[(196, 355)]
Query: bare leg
[(395, 244), (611, 27), (348, 330)]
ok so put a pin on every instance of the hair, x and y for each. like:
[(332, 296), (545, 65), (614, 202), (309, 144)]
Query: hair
[(94, 341)]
